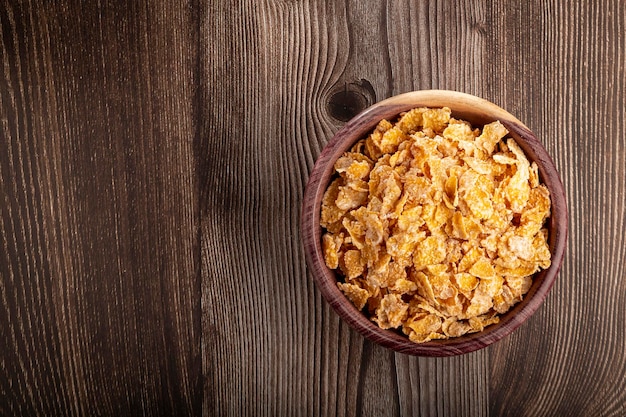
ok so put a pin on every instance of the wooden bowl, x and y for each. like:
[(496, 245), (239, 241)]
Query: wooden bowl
[(479, 112)]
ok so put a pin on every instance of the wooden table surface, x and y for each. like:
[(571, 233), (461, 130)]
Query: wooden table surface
[(153, 157)]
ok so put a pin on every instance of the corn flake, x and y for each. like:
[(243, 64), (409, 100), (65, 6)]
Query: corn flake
[(392, 311), (436, 227)]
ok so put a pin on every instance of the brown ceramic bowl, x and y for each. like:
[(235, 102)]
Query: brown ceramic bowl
[(479, 112)]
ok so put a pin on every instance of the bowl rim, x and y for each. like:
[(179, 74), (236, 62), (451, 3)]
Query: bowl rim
[(460, 104)]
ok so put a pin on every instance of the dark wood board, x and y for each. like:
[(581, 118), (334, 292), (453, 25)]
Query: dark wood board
[(153, 158)]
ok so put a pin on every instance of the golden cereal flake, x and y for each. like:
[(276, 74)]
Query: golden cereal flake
[(391, 139), (542, 251), (436, 119), (480, 303), (492, 134), (479, 323), (466, 282), (504, 301), (533, 173), (331, 214), (425, 288), (470, 258), (504, 159), (538, 209), (451, 192), (357, 295), (431, 250), (412, 120), (391, 312), (404, 286), (482, 268), (353, 166), (518, 285), (461, 134), (453, 306), (352, 264), (386, 184), (401, 247), (522, 247), (518, 189), (371, 223), (425, 328), (410, 220), (330, 246), (479, 202), (373, 142), (442, 285), (435, 226), (356, 231), (350, 197), (452, 327)]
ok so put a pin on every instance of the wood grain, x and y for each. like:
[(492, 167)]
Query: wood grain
[(99, 297), (292, 57), (578, 109), (153, 157)]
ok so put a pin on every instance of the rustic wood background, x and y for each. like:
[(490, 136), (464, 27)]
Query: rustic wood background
[(153, 157)]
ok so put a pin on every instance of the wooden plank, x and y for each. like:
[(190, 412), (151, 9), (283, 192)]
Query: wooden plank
[(564, 71), (274, 347), (99, 290), (152, 164)]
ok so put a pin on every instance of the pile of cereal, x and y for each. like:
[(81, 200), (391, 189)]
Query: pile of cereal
[(436, 227)]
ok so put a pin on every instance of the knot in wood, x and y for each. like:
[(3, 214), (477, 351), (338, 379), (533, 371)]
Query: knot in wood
[(350, 99)]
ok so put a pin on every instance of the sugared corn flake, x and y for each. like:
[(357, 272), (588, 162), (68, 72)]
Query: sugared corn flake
[(392, 311), (435, 227), (424, 328), (436, 119), (491, 135), (430, 251), (331, 245), (352, 264), (355, 293)]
